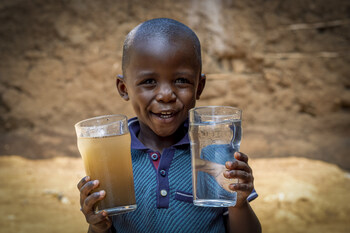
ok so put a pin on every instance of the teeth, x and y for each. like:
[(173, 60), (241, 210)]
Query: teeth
[(165, 116)]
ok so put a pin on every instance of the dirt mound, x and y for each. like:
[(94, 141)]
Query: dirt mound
[(301, 195), (295, 195)]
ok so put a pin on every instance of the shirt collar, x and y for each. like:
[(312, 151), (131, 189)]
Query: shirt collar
[(134, 128)]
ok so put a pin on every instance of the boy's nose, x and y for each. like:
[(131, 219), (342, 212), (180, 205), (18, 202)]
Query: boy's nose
[(165, 94)]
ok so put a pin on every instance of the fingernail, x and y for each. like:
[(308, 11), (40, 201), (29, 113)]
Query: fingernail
[(226, 173), (104, 213), (102, 193), (228, 164), (95, 182), (87, 178)]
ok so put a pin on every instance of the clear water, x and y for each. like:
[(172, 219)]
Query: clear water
[(212, 145)]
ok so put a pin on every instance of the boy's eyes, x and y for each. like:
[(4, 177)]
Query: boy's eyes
[(153, 81), (182, 80), (149, 81)]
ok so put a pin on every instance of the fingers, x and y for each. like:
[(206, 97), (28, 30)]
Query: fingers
[(83, 181), (246, 187), (99, 222), (240, 156), (88, 209), (95, 219), (239, 169), (103, 225), (86, 189), (243, 176), (90, 201), (238, 165)]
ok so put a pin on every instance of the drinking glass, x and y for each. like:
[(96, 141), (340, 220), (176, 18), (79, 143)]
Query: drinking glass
[(104, 144), (215, 135)]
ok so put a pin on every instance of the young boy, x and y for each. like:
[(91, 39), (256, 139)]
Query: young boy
[(162, 79)]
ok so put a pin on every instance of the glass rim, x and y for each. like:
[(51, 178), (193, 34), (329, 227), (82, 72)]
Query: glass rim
[(216, 107), (78, 124)]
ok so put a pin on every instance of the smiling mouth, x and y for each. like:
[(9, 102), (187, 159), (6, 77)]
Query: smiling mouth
[(165, 114)]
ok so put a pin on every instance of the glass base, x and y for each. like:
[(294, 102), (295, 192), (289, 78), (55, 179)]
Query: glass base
[(119, 210), (214, 203)]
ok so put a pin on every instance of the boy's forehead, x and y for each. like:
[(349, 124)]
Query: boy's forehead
[(164, 42), (164, 49)]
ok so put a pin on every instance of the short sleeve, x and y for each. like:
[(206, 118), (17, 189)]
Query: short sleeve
[(252, 195)]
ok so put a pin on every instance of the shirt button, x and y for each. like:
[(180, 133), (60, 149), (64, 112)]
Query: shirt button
[(162, 172), (154, 156), (163, 192)]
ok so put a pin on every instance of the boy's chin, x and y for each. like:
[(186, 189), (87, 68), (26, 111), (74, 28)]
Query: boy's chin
[(164, 132)]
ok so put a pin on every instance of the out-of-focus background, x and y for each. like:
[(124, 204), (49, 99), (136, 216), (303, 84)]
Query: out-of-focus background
[(286, 63)]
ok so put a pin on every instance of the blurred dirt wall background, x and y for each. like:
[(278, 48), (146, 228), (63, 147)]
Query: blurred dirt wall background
[(285, 63)]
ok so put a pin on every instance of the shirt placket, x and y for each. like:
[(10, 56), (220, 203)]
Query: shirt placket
[(162, 174)]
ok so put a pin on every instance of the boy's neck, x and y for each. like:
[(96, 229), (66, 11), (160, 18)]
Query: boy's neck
[(157, 143)]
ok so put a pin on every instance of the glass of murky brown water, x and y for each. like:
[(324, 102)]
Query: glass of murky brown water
[(104, 145)]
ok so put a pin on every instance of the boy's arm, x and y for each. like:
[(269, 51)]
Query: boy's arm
[(243, 219)]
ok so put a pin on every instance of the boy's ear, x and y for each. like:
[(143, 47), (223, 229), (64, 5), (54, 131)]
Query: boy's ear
[(201, 85), (122, 89)]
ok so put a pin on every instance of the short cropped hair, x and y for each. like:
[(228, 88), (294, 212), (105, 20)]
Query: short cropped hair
[(160, 27)]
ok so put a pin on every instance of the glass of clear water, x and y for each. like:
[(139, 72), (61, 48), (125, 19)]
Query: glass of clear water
[(215, 134)]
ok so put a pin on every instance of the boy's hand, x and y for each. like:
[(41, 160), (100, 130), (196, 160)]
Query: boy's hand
[(98, 222), (240, 170)]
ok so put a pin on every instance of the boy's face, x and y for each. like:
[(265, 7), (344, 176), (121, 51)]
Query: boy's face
[(162, 80)]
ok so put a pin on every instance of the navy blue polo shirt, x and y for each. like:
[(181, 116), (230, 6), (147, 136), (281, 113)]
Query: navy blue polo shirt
[(164, 194)]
